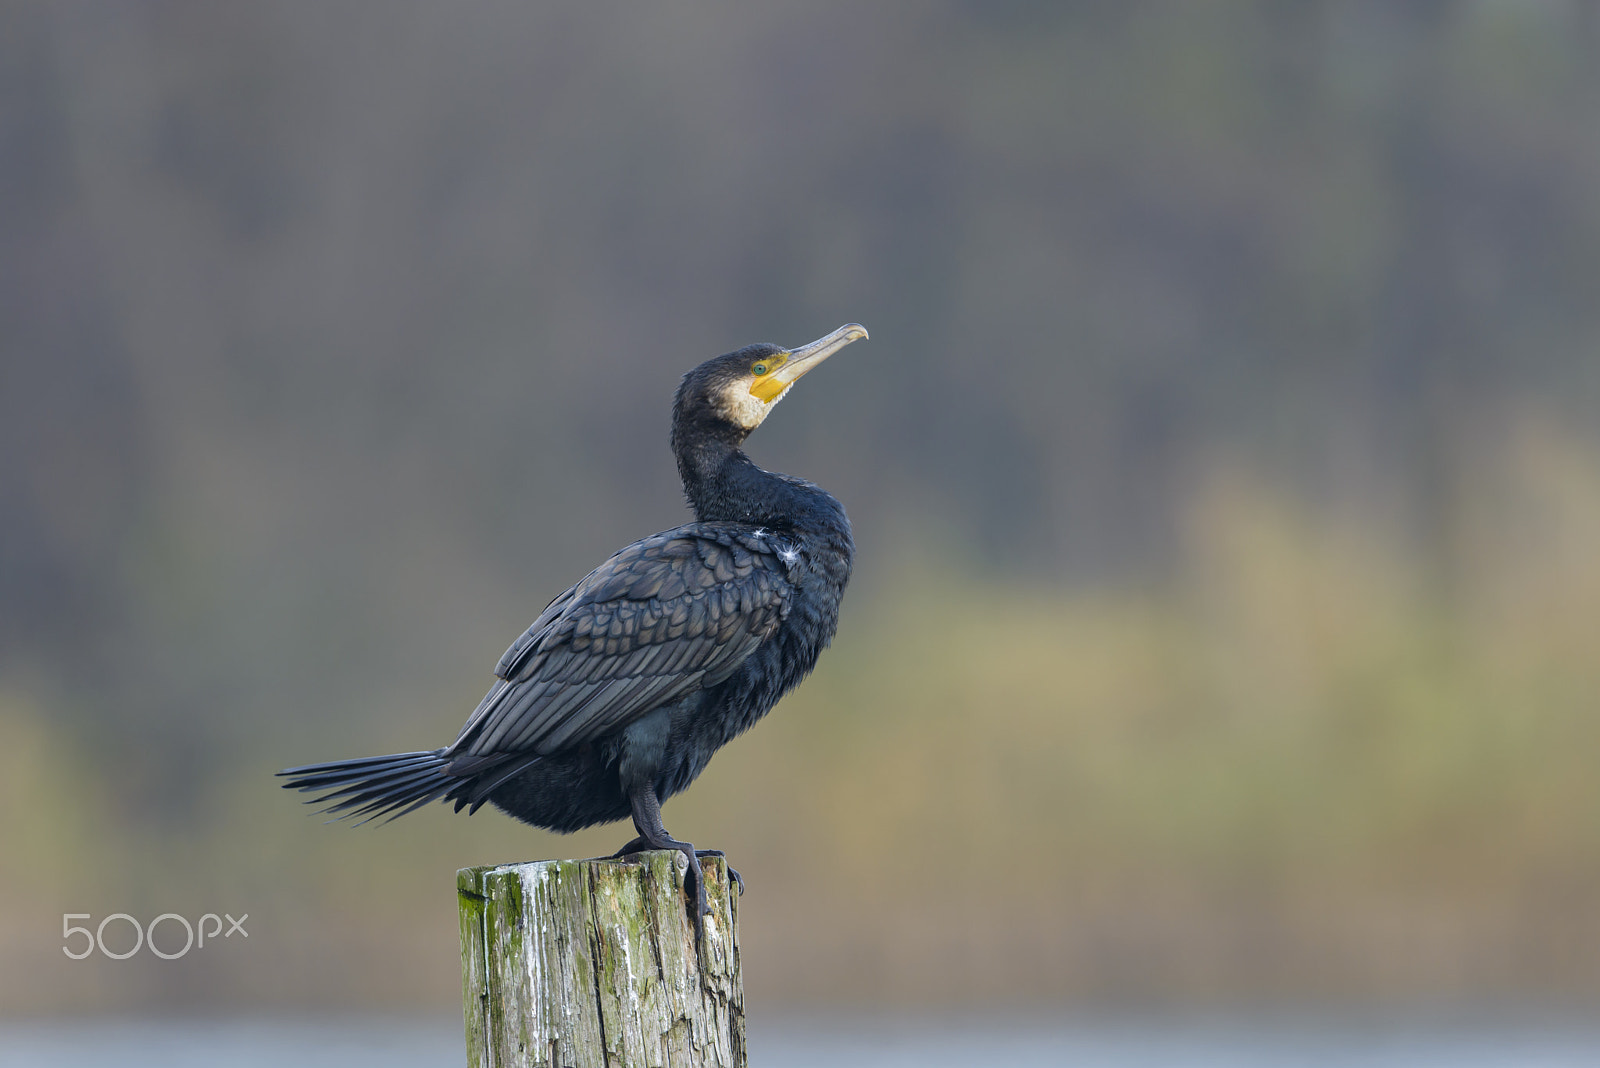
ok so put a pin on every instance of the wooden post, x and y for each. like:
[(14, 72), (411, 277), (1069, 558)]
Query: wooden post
[(594, 964)]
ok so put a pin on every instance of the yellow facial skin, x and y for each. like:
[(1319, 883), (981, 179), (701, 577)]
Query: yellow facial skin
[(767, 386), (771, 376)]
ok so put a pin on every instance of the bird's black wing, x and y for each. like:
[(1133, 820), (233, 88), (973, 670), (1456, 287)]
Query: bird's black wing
[(675, 612)]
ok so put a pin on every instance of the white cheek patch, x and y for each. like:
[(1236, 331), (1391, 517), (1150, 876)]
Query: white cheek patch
[(745, 410)]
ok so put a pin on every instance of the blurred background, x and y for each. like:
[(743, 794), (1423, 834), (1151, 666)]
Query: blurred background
[(1224, 468)]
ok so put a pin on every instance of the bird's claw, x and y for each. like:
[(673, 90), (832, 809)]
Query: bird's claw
[(694, 882), (733, 873)]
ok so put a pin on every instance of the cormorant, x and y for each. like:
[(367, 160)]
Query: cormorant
[(620, 692)]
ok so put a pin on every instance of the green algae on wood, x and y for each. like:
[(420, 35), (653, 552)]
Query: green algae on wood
[(594, 964)]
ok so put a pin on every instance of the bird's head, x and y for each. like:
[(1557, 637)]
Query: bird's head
[(737, 391)]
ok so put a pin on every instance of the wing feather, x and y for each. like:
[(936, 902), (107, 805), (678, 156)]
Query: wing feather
[(673, 612)]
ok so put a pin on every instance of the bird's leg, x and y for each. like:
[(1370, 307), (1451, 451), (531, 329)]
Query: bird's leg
[(652, 835)]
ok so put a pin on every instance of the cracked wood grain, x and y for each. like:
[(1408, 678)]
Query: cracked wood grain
[(594, 964)]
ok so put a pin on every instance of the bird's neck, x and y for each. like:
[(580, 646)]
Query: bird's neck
[(723, 484)]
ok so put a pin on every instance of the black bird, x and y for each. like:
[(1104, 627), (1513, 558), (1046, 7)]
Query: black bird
[(620, 692)]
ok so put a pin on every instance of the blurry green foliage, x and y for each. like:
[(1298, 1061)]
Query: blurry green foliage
[(1289, 774)]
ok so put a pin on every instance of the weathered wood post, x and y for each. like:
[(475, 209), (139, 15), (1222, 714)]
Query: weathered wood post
[(594, 964)]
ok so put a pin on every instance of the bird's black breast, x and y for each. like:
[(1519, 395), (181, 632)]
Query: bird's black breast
[(818, 569)]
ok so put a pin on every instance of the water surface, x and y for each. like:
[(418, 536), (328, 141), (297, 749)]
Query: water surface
[(900, 1042)]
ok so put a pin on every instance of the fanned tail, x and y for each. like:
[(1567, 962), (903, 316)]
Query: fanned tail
[(376, 786), (403, 782)]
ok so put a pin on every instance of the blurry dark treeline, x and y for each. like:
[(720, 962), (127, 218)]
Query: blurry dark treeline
[(337, 337)]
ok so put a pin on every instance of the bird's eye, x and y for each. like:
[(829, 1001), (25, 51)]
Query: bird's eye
[(759, 369)]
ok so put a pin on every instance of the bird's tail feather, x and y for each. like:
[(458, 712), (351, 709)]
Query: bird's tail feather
[(403, 782), (374, 786)]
